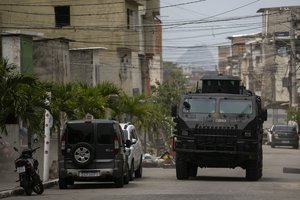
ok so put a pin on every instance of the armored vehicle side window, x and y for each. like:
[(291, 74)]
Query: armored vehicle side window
[(235, 106), (200, 105), (105, 133), (81, 132)]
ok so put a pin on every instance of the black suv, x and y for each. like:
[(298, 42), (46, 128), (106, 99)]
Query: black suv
[(93, 150)]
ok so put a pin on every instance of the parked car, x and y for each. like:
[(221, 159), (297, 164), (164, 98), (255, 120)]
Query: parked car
[(134, 152), (93, 150), (284, 135)]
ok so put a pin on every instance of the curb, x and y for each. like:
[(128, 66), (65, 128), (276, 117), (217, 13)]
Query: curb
[(291, 170), (20, 191)]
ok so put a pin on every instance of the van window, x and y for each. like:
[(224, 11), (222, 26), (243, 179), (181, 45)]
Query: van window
[(80, 133), (105, 133)]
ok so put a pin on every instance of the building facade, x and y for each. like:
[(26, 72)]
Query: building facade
[(126, 29), (268, 62)]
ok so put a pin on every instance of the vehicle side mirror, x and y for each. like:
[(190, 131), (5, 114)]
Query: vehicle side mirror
[(174, 111), (187, 105), (128, 143), (133, 141), (264, 115)]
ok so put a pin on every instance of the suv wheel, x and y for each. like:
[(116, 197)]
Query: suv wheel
[(127, 175), (82, 154), (120, 180)]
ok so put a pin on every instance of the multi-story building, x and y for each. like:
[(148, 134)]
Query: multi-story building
[(281, 27), (265, 61), (128, 32)]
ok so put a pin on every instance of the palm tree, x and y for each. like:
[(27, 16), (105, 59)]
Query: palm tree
[(16, 94)]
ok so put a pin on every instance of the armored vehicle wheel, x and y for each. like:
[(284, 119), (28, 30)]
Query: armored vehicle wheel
[(193, 170), (253, 170), (182, 170)]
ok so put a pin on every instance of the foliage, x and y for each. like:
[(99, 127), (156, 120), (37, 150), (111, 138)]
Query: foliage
[(25, 97), (19, 96), (168, 93), (293, 114)]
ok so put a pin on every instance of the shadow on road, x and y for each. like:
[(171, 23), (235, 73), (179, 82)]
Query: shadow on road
[(218, 178)]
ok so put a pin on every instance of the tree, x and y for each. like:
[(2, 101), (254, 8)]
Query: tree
[(18, 96), (168, 93), (293, 114)]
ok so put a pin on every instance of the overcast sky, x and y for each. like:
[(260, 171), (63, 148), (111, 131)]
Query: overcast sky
[(188, 23)]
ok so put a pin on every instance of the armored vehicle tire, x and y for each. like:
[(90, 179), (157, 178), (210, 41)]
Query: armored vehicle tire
[(193, 170), (182, 170), (253, 171)]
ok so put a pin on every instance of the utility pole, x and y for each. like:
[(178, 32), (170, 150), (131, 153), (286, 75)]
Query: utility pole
[(48, 125), (251, 71), (294, 100)]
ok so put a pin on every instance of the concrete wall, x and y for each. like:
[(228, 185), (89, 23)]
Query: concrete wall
[(85, 65), (51, 60), (11, 49)]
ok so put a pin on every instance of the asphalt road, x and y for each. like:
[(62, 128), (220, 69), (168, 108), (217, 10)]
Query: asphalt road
[(213, 184)]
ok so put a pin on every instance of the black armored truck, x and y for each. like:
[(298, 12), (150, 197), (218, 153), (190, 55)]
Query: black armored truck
[(219, 126)]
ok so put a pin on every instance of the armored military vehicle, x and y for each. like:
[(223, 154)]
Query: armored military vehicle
[(219, 126)]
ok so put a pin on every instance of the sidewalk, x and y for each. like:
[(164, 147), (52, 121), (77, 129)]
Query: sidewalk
[(12, 188), (8, 178)]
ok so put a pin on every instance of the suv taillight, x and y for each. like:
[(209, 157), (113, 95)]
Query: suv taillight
[(63, 142), (116, 144)]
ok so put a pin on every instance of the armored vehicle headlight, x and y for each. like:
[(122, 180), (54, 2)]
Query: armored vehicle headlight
[(248, 134), (186, 133), (276, 135)]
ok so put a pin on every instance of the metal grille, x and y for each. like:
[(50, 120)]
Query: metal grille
[(218, 138)]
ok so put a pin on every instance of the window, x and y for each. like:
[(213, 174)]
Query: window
[(131, 19), (80, 133), (200, 105), (62, 16), (105, 133), (236, 106)]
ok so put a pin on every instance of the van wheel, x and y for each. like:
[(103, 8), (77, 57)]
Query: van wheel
[(82, 154)]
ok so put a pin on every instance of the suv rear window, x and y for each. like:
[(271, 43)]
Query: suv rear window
[(80, 133), (105, 133)]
